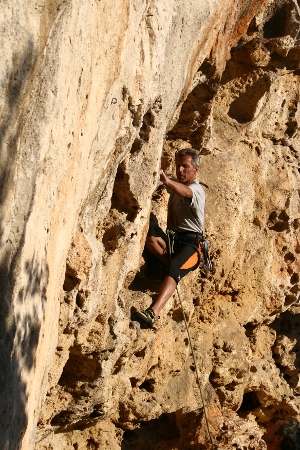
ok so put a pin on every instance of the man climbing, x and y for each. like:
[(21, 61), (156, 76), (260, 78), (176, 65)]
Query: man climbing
[(283, 435), (185, 227)]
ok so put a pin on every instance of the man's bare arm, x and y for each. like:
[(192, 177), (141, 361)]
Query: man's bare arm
[(179, 188)]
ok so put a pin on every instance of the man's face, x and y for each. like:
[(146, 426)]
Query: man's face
[(185, 171), (271, 436)]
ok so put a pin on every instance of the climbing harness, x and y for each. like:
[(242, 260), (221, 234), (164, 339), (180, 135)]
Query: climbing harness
[(202, 249), (171, 236)]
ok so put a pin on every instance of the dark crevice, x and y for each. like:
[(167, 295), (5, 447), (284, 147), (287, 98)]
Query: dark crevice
[(71, 280), (133, 382), (147, 385), (80, 299), (140, 353), (148, 123), (123, 199), (250, 402), (280, 24), (152, 433), (280, 226), (243, 108), (192, 122), (136, 146), (111, 236), (79, 367), (62, 418)]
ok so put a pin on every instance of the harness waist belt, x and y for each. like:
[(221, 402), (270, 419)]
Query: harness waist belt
[(190, 233)]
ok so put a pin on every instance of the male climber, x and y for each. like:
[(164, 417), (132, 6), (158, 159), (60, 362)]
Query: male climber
[(185, 226), (283, 435)]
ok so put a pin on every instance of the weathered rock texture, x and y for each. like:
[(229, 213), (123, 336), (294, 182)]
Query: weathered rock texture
[(95, 96)]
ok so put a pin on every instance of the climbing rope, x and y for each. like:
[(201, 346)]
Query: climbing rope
[(192, 351)]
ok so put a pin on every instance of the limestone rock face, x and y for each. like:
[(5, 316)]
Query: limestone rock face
[(95, 97)]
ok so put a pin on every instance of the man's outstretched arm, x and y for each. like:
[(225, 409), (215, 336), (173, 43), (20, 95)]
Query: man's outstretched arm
[(179, 188)]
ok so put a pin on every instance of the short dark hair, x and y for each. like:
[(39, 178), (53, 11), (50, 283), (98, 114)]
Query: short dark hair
[(189, 152), (291, 435)]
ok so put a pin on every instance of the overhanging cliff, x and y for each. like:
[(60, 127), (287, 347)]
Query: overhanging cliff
[(95, 98)]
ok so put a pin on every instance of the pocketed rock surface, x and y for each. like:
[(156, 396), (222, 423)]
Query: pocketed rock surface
[(96, 97)]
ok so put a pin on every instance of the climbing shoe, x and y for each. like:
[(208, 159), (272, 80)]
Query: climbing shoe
[(147, 316)]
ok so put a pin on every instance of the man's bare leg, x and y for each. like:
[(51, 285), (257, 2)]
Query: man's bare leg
[(166, 289), (157, 246)]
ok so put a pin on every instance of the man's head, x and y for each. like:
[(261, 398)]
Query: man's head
[(283, 435), (187, 163)]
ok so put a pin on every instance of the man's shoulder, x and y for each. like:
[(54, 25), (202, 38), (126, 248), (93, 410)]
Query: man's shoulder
[(195, 183), (196, 186)]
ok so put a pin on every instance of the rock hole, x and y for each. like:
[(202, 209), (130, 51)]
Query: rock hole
[(257, 150), (177, 315), (62, 418), (250, 402), (148, 122), (141, 353), (111, 323), (292, 126), (249, 327), (117, 366), (296, 224), (110, 238), (71, 280), (283, 216), (130, 440), (252, 27), (95, 414), (294, 278), (295, 289), (272, 216), (155, 433), (92, 444), (256, 222), (289, 300), (192, 122), (133, 382), (100, 319), (287, 378), (289, 257), (278, 24), (280, 226), (243, 108), (123, 199), (136, 146), (147, 385), (80, 300), (79, 367)]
